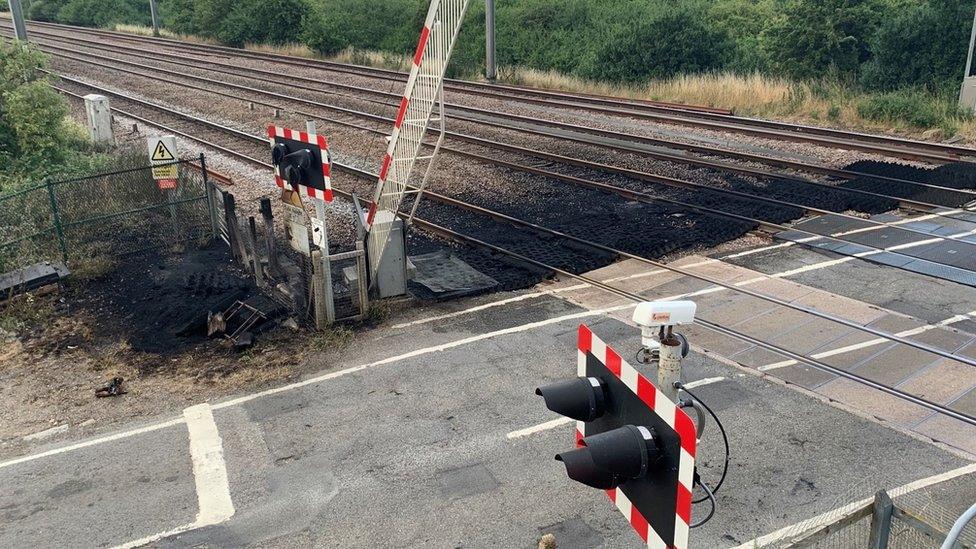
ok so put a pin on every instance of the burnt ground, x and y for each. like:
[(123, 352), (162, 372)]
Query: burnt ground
[(145, 321), (955, 175), (158, 302)]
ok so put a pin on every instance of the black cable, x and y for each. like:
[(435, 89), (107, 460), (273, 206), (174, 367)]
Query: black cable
[(725, 440), (711, 512)]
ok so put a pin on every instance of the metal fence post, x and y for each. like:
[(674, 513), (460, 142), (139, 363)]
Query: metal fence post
[(56, 217), (362, 278), (881, 521), (211, 205)]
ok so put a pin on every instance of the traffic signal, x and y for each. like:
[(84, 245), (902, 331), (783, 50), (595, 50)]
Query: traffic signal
[(631, 441), (301, 160)]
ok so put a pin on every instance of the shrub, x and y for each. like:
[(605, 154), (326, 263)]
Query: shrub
[(915, 108), (922, 45), (743, 21), (44, 10), (34, 139), (179, 16)]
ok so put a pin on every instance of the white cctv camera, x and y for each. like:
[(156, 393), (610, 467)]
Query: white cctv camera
[(654, 317)]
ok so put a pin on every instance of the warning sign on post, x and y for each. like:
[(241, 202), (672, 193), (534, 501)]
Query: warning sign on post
[(163, 157)]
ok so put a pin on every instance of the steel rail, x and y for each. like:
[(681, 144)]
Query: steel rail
[(637, 298), (451, 83), (360, 70), (590, 165), (466, 239), (881, 144), (639, 196), (518, 222), (783, 163)]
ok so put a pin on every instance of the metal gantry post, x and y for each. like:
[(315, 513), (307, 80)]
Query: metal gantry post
[(965, 91), (154, 13), (20, 26), (969, 54), (491, 68)]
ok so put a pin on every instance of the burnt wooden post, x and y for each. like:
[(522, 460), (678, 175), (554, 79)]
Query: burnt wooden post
[(252, 240), (233, 228), (269, 237)]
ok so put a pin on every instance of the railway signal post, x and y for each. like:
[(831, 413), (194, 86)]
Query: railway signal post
[(631, 441), (302, 167)]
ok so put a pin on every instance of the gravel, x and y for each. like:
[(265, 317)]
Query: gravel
[(648, 229)]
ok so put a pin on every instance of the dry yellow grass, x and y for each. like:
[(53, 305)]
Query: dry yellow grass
[(747, 95), (292, 50), (147, 31)]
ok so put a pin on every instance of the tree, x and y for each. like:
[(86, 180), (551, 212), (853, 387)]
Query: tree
[(263, 21), (662, 44), (812, 38)]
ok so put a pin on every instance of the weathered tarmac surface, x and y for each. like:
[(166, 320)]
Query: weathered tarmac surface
[(405, 443)]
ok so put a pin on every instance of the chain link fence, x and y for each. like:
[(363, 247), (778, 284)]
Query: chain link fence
[(88, 222), (914, 520)]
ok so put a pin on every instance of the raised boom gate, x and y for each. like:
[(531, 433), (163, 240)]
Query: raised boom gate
[(424, 89)]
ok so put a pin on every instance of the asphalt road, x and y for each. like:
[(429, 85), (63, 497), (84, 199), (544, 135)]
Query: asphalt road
[(406, 444)]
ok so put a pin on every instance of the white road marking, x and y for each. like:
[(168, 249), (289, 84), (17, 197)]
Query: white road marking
[(539, 428), (209, 469), (214, 504), (469, 310), (534, 295), (156, 537), (340, 373), (92, 442), (871, 342), (830, 516), (703, 382), (317, 379), (831, 263)]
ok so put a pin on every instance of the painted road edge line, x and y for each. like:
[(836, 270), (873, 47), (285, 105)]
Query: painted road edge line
[(92, 442), (539, 428)]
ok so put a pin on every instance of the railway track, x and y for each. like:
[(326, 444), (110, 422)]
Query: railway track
[(608, 139), (885, 145), (459, 236), (688, 202)]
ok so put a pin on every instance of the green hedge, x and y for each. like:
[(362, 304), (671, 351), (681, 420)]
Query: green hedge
[(883, 44)]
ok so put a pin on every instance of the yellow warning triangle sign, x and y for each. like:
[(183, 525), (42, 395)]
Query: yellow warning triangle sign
[(161, 153)]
